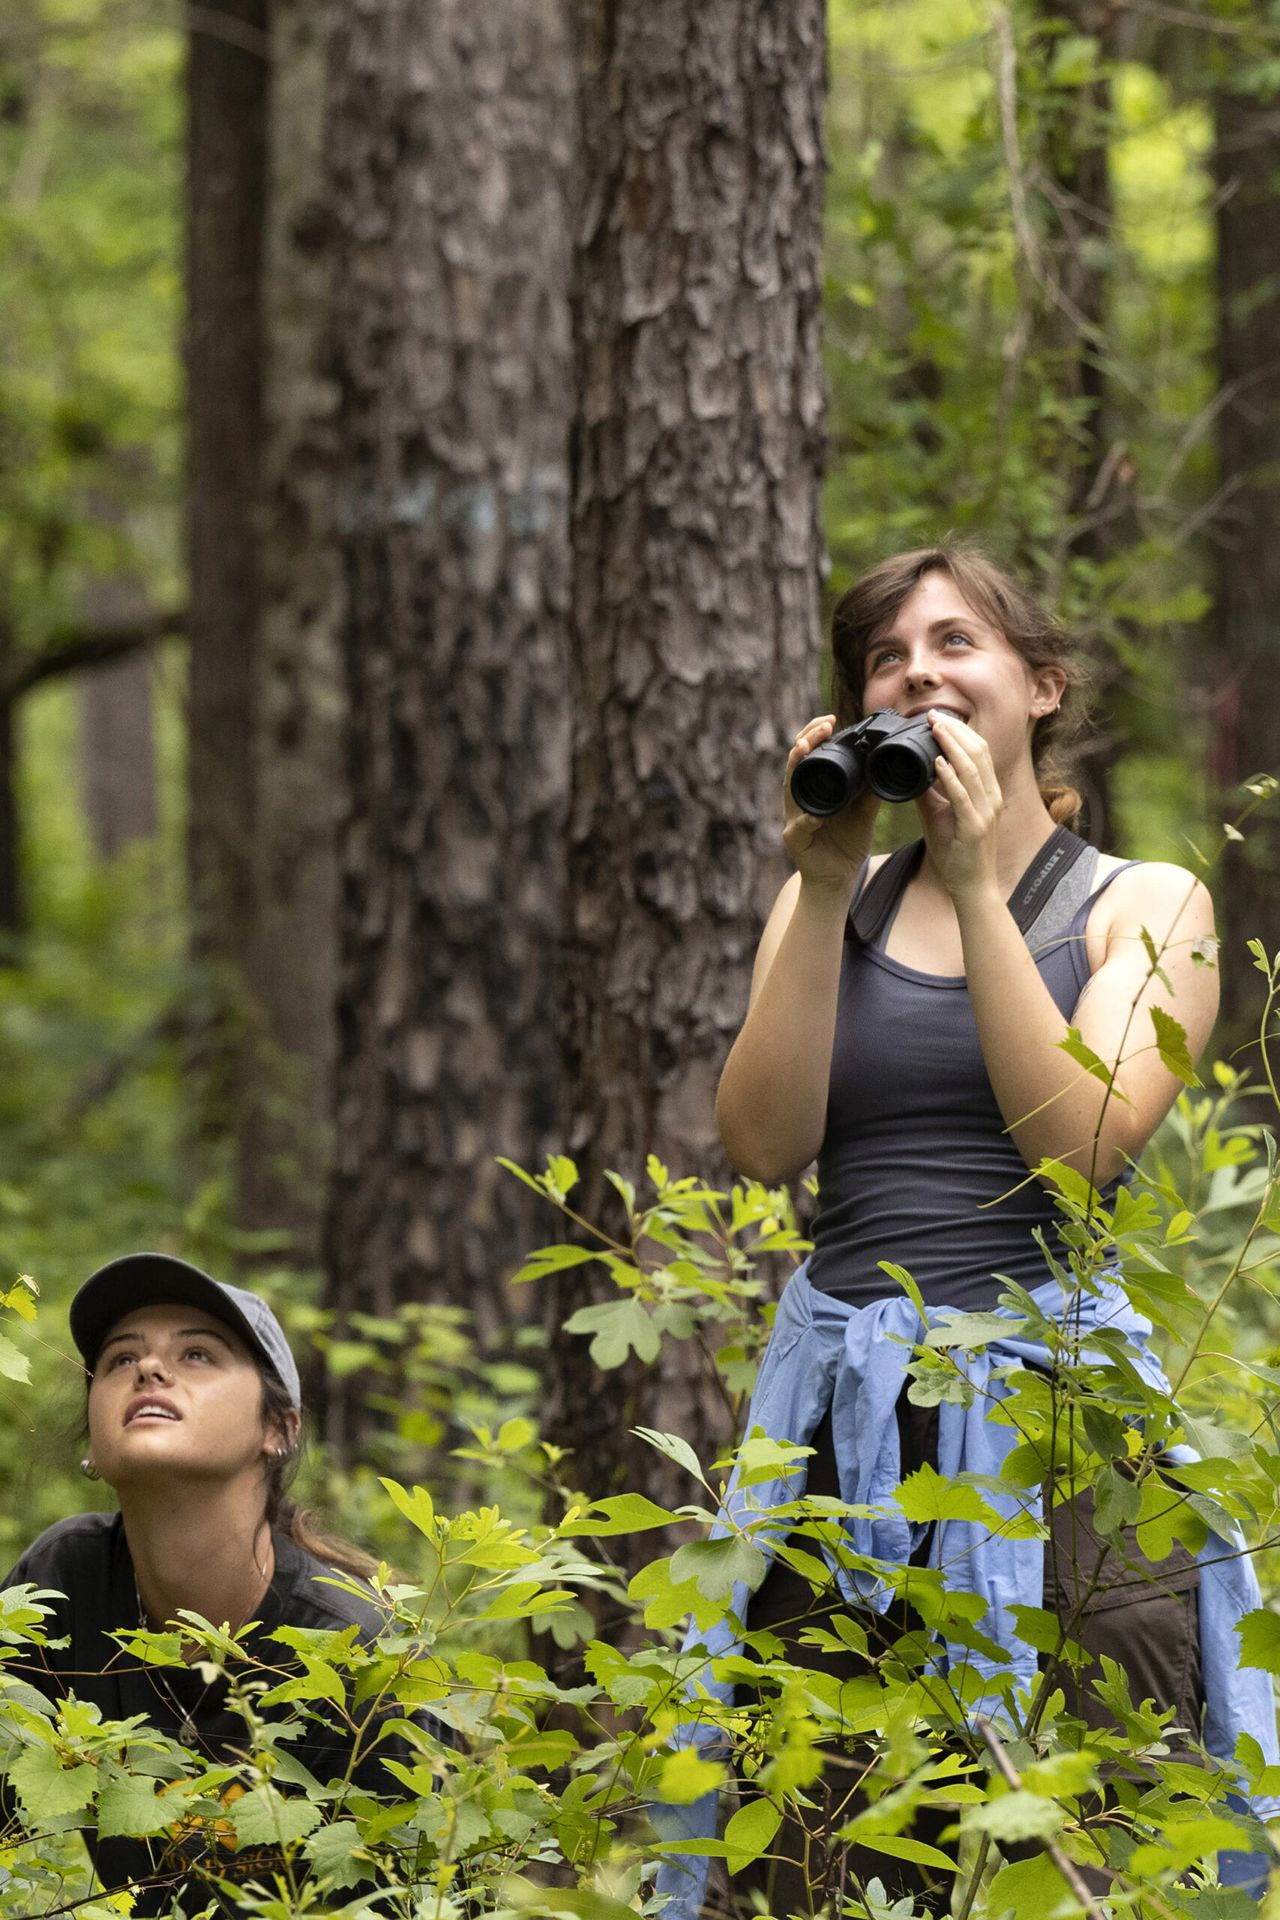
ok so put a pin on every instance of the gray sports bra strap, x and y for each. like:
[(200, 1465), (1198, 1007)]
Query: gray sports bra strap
[(1045, 901), (1064, 903)]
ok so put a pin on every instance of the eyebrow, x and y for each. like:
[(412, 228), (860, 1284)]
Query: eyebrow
[(934, 626), (183, 1333)]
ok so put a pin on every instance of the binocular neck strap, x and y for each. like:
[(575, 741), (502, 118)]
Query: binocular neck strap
[(879, 896)]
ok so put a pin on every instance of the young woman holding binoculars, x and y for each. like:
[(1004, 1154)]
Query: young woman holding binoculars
[(904, 1031)]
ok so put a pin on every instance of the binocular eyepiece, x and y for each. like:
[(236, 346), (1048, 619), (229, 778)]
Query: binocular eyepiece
[(894, 756)]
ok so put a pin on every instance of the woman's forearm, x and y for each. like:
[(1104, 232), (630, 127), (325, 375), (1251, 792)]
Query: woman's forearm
[(772, 1104)]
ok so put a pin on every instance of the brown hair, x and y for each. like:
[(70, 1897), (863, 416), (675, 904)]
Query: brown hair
[(282, 1513), (867, 607)]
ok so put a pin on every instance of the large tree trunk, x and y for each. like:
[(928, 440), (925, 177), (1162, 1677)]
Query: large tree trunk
[(1081, 253), (284, 1132), (697, 548), (451, 134), (227, 74), (1248, 712)]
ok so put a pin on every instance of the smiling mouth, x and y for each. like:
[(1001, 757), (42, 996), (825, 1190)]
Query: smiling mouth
[(936, 706), (150, 1413)]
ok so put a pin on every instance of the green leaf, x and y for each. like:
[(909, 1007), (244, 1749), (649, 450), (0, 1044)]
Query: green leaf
[(907, 1284), (1016, 1815), (924, 1495), (561, 1176), (716, 1566), (1041, 1629), (545, 1260), (46, 1788), (337, 1855), (971, 1330), (1117, 1501), (1029, 1890), (1153, 960), (264, 1817), (1171, 1040), (674, 1448), (623, 1513), (417, 1507), (129, 1805), (686, 1776), (750, 1832), (899, 1847), (1260, 1640), (1078, 1049), (13, 1364), (620, 1327)]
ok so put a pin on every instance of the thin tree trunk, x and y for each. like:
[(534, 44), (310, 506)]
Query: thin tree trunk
[(117, 754), (11, 904), (285, 1134), (227, 74), (451, 134), (698, 555), (1247, 717)]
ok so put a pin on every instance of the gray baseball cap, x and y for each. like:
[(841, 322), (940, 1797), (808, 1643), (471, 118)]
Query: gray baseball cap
[(161, 1279)]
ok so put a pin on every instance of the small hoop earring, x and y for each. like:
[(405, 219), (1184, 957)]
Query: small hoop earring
[(88, 1469)]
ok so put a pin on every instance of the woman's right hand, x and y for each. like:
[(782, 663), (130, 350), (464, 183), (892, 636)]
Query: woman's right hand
[(827, 852)]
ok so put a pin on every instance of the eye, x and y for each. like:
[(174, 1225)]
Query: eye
[(882, 658), (122, 1357), (197, 1353), (963, 638)]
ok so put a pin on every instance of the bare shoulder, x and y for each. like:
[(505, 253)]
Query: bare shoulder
[(1165, 899)]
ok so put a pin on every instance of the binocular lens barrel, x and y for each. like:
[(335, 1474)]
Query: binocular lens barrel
[(826, 780), (900, 770)]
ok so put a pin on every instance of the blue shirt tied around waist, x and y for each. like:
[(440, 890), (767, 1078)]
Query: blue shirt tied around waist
[(825, 1354)]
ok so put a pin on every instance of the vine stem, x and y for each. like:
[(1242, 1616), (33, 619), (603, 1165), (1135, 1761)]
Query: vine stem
[(1067, 1868)]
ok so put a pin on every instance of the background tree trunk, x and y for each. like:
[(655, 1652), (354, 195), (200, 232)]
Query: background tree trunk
[(227, 77), (284, 1133), (1083, 252), (117, 756), (10, 851), (451, 136), (698, 551), (1247, 711)]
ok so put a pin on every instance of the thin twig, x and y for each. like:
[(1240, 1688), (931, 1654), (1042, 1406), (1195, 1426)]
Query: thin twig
[(1010, 1773)]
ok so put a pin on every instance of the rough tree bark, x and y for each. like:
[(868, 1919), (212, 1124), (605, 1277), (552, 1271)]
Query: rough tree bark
[(284, 1130), (227, 76), (451, 137), (697, 550), (1247, 717), (1081, 253)]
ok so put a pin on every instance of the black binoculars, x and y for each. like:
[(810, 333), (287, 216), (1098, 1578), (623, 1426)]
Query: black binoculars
[(896, 757)]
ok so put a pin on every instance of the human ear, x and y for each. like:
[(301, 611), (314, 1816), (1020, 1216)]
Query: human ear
[(1048, 684), (281, 1437)]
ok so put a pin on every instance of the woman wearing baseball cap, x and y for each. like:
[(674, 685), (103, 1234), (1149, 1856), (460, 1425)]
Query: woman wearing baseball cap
[(194, 1416)]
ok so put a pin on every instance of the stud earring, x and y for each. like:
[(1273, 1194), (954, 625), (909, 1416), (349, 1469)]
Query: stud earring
[(88, 1469)]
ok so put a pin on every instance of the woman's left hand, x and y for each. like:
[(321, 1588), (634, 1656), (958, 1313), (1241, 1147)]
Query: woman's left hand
[(962, 808)]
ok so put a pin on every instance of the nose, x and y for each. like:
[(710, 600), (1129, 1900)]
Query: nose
[(920, 671), (151, 1367)]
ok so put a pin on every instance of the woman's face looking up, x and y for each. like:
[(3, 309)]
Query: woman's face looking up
[(937, 652), (176, 1394)]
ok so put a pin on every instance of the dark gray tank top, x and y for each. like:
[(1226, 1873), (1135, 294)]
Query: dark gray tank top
[(916, 1166)]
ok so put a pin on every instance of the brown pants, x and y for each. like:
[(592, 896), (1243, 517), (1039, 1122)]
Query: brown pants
[(1145, 1617)]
